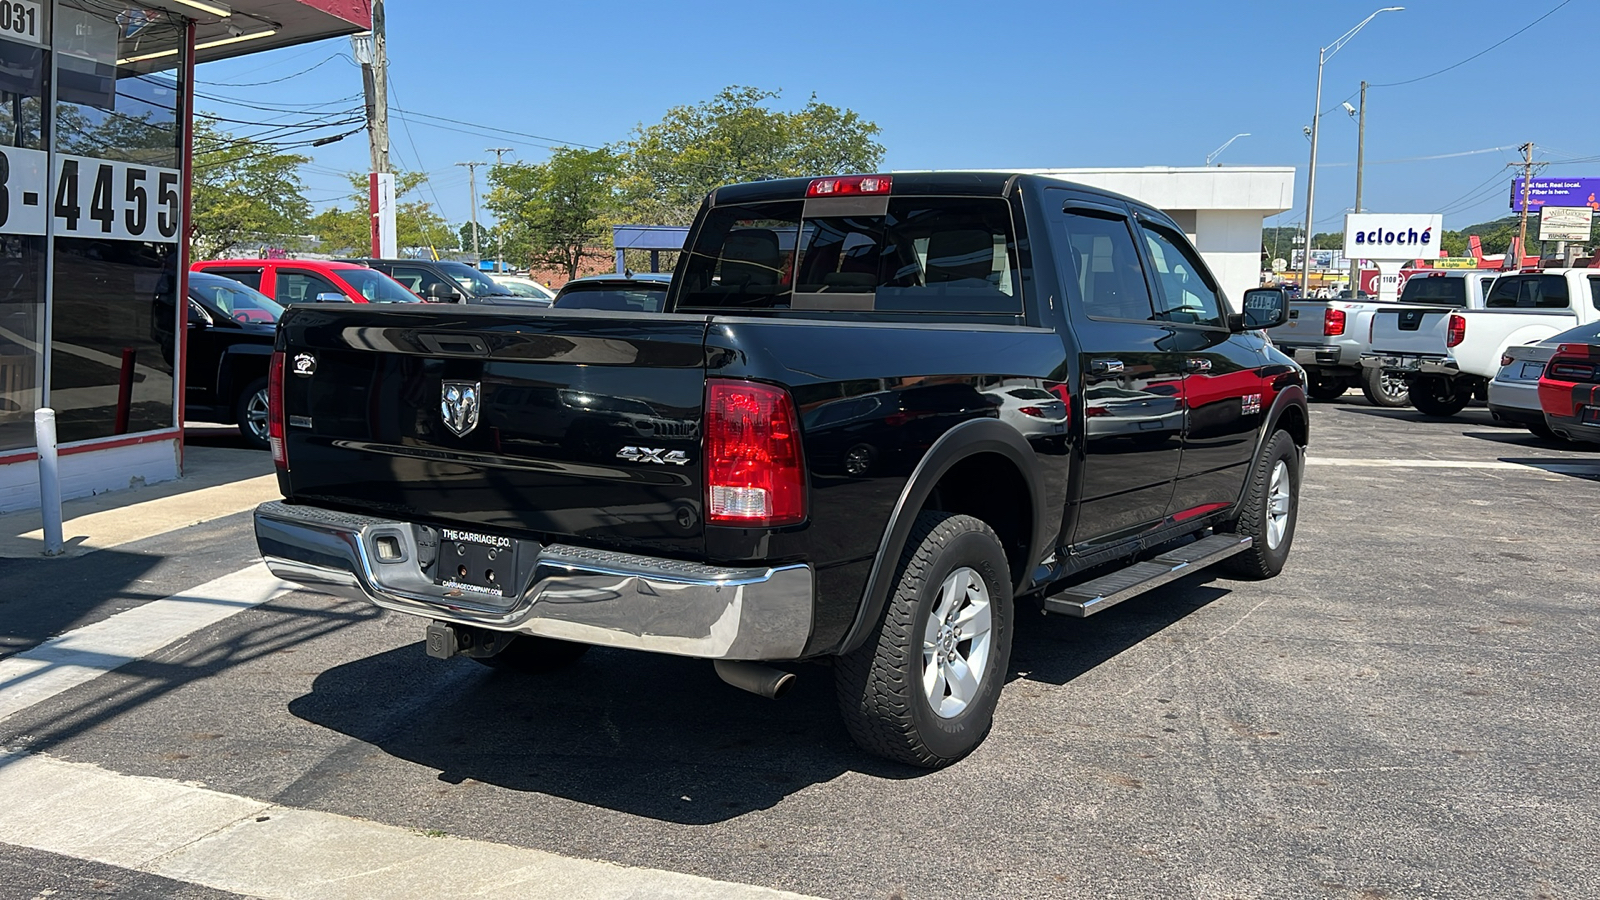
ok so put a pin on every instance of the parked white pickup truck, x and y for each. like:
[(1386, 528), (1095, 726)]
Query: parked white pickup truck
[(1522, 308), (1328, 339), (1403, 336)]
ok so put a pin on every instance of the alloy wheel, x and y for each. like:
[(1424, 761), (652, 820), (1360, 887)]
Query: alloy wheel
[(956, 642)]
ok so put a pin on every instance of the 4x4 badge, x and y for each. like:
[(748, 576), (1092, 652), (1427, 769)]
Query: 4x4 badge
[(458, 404), (658, 455)]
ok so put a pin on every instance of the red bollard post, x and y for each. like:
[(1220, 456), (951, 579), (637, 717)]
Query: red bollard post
[(125, 390)]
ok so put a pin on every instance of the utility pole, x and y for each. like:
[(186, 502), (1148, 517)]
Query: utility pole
[(1527, 181), (500, 231), (371, 50), (472, 178), (375, 80), (1361, 155)]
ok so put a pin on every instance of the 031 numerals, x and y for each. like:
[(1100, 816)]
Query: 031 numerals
[(117, 200)]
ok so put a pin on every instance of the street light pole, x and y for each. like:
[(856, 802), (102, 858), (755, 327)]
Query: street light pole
[(1323, 55), (1218, 152)]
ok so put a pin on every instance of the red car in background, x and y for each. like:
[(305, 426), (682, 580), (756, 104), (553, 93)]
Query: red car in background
[(1569, 392), (310, 280)]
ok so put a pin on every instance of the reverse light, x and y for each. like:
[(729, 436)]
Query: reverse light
[(849, 185), (1455, 330), (755, 476), (275, 416), (1333, 322)]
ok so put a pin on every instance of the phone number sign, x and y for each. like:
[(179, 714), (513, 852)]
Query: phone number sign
[(92, 198)]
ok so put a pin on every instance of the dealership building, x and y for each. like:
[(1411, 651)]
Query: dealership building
[(96, 101)]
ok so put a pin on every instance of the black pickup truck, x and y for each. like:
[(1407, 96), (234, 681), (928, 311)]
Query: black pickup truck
[(876, 415)]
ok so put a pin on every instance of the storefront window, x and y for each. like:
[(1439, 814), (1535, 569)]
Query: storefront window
[(114, 196), (24, 70)]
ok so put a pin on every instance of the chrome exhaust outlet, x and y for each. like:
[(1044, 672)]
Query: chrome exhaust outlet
[(754, 677)]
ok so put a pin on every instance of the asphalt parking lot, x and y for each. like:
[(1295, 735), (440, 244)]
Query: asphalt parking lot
[(1406, 712)]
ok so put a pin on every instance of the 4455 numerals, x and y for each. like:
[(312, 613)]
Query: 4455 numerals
[(117, 200)]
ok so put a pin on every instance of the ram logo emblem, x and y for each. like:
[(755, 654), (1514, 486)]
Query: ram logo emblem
[(458, 405), (657, 455)]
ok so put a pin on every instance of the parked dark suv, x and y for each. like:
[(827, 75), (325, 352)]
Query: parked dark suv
[(446, 281), (230, 343)]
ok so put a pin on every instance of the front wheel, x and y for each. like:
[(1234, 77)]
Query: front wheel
[(923, 690), (1434, 395), (250, 411), (1270, 510), (1385, 389)]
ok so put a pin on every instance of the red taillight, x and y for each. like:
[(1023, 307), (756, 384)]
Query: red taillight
[(1506, 360), (1034, 411), (1455, 330), (754, 471), (1570, 364), (849, 185), (1333, 322), (275, 418)]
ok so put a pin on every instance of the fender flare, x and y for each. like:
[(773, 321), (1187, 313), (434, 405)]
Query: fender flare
[(1289, 395), (234, 367), (967, 439)]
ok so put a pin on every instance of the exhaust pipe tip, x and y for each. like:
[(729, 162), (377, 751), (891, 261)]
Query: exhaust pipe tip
[(755, 677)]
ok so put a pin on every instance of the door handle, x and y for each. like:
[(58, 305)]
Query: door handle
[(1105, 366), (1199, 365)]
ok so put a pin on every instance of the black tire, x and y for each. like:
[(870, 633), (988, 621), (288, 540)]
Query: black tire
[(1327, 389), (1386, 391), (1435, 395), (250, 411), (535, 655), (880, 685), (1544, 431), (1263, 560)]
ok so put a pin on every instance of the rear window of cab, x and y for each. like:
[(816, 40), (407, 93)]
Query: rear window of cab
[(946, 255)]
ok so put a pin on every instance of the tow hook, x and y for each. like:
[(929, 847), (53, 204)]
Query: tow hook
[(446, 640)]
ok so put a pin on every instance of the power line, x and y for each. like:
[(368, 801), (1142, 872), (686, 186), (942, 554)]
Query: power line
[(284, 78), (1474, 56), (522, 134)]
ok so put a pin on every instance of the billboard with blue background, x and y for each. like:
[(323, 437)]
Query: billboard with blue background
[(1556, 192)]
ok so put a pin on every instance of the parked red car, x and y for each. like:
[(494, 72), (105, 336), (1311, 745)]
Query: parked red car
[(1569, 392), (311, 280)]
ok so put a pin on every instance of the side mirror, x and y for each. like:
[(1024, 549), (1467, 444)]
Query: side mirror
[(1263, 308), (439, 292), (331, 297), (198, 317)]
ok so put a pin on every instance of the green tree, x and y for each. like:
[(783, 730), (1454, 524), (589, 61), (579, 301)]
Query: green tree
[(670, 166), (243, 191), (416, 222), (555, 213)]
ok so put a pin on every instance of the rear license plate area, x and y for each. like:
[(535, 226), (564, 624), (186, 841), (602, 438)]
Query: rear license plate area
[(1590, 415), (1532, 371), (477, 564)]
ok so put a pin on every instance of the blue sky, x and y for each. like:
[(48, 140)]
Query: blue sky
[(990, 85)]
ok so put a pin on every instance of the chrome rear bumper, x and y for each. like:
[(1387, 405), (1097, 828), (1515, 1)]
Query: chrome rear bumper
[(572, 593), (1411, 364)]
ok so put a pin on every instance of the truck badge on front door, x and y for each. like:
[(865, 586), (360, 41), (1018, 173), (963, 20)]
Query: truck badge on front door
[(459, 405)]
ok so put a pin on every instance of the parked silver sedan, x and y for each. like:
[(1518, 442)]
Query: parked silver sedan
[(1514, 391)]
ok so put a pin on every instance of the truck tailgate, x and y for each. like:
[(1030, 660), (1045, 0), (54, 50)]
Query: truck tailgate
[(506, 421), (1410, 330)]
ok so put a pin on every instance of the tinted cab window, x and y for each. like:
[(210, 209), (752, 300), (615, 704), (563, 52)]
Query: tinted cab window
[(300, 286), (952, 255), (1529, 292), (248, 277), (1437, 290)]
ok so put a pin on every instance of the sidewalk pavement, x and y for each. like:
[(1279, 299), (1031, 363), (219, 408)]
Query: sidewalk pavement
[(216, 482)]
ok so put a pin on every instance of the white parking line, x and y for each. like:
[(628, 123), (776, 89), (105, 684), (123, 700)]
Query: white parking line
[(260, 849), (1559, 467), (86, 653)]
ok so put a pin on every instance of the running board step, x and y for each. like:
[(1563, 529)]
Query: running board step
[(1109, 590)]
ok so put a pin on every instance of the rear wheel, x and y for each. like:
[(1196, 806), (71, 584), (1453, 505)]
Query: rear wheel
[(1385, 389), (1434, 395), (923, 690), (1327, 389), (1271, 507), (535, 655), (250, 411)]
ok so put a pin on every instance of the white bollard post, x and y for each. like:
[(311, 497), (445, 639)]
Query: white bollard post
[(44, 434)]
